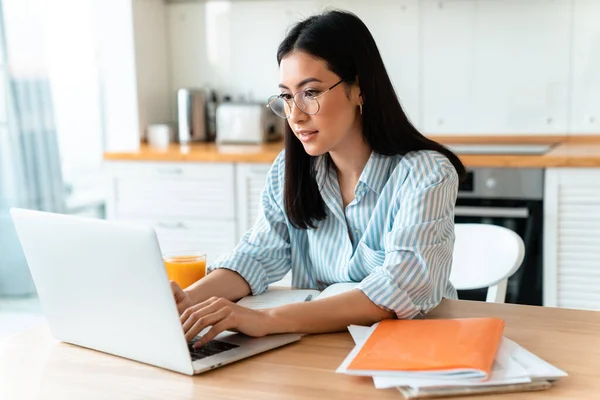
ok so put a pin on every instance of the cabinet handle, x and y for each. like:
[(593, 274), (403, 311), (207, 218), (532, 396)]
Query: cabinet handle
[(491, 212), (172, 225), (170, 171)]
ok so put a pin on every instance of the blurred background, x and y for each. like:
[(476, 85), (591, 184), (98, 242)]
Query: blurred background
[(84, 81)]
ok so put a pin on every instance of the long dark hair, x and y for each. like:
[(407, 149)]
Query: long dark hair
[(344, 42)]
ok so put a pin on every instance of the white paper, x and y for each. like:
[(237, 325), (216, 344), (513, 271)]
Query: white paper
[(337, 288), (536, 368), (278, 297), (505, 370), (275, 297), (359, 333)]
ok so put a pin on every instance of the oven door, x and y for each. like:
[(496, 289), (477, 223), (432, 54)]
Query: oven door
[(523, 217)]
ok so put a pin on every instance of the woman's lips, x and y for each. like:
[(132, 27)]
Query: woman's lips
[(306, 136)]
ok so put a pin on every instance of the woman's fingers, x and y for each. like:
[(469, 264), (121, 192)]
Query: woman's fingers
[(205, 314), (221, 314), (205, 321), (191, 310), (225, 324)]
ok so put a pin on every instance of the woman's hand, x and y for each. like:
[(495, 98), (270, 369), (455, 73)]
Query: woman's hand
[(221, 314), (182, 298)]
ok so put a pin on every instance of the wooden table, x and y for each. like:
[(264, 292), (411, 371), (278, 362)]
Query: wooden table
[(35, 366)]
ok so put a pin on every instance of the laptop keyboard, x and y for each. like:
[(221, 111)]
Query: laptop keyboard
[(209, 349)]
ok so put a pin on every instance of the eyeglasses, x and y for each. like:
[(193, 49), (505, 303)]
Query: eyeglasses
[(305, 100)]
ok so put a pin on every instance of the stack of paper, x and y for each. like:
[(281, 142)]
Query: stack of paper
[(418, 371)]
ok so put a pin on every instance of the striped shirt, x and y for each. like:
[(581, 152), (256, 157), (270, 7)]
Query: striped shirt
[(395, 238)]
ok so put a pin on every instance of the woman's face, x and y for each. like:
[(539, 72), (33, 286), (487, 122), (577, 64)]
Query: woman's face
[(337, 124)]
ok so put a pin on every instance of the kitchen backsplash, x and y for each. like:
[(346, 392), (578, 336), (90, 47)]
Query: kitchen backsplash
[(460, 67)]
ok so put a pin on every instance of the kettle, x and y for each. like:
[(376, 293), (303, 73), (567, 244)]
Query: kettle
[(196, 109)]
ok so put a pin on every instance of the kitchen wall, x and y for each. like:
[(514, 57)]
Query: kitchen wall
[(459, 66)]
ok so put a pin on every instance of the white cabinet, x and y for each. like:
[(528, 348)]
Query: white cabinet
[(133, 67), (200, 206), (190, 205), (250, 181), (395, 28), (211, 236), (173, 190), (498, 66), (585, 105), (572, 238), (115, 51)]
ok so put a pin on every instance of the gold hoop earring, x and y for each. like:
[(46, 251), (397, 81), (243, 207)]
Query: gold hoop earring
[(360, 106)]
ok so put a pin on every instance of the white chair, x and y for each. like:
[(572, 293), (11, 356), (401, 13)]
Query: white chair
[(485, 256)]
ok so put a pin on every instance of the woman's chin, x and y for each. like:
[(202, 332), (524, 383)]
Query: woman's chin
[(312, 149)]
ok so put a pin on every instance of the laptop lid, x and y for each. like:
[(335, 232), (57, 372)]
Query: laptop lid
[(103, 285)]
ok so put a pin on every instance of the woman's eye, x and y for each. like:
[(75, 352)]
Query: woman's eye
[(310, 93), (286, 96)]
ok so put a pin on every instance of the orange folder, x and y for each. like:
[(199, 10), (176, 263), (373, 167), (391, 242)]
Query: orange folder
[(431, 345)]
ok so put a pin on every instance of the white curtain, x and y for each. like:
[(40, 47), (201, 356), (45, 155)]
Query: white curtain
[(30, 169)]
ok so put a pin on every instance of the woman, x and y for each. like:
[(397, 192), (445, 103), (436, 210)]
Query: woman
[(358, 195)]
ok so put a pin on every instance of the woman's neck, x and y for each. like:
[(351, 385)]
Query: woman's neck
[(350, 160)]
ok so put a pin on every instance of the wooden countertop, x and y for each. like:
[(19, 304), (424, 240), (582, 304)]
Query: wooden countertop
[(566, 151), (33, 365), (207, 152)]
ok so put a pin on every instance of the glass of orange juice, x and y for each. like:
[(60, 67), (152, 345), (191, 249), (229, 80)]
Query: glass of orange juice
[(185, 267)]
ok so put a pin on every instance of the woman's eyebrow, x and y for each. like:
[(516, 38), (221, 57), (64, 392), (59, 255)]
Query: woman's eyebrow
[(302, 82)]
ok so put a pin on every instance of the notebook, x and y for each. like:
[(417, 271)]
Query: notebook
[(435, 349), (280, 296)]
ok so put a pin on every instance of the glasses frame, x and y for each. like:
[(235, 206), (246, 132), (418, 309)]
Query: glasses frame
[(293, 99)]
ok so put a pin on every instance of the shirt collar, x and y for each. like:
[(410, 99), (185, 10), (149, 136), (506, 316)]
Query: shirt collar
[(374, 175), (321, 170), (376, 172)]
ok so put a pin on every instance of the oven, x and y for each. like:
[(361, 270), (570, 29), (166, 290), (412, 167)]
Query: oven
[(512, 198)]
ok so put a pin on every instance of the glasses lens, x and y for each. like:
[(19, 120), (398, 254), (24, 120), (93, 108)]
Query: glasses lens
[(307, 102), (279, 106)]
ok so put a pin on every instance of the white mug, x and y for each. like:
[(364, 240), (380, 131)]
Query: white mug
[(159, 136)]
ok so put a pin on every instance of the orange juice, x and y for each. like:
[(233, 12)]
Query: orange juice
[(185, 267)]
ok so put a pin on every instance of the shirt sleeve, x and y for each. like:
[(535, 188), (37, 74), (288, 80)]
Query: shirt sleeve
[(263, 255), (416, 270)]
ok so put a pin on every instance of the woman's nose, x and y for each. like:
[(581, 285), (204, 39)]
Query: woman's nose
[(296, 113)]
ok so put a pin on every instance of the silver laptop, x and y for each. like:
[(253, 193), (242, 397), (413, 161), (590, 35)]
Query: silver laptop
[(103, 285)]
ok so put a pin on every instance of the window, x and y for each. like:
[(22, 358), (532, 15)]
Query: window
[(58, 38)]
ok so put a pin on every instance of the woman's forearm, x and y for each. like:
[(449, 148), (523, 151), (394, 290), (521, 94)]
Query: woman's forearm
[(327, 315), (221, 282)]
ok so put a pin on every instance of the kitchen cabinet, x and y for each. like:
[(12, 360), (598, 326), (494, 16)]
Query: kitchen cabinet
[(190, 205), (572, 238), (200, 206), (585, 104), (250, 181), (481, 74)]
